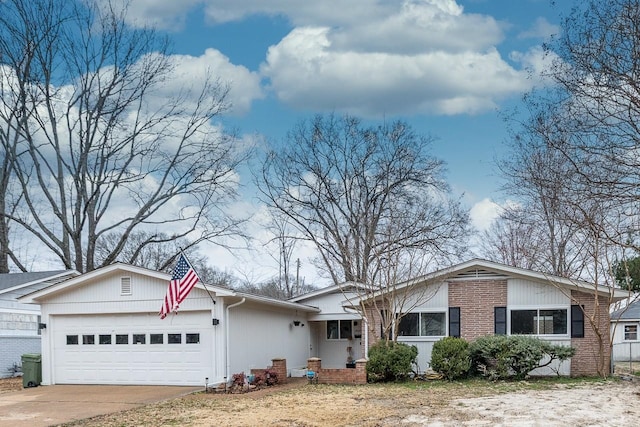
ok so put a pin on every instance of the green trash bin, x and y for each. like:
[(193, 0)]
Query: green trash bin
[(31, 370)]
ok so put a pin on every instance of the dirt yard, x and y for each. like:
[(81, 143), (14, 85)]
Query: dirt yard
[(526, 403)]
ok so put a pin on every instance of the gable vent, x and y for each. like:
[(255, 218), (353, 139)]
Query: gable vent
[(125, 286), (479, 273)]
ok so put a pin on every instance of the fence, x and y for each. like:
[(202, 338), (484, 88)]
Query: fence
[(626, 356)]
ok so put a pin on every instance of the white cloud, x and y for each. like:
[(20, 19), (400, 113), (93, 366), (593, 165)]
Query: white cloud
[(190, 73), (306, 72), (163, 14), (483, 213), (541, 29), (372, 57)]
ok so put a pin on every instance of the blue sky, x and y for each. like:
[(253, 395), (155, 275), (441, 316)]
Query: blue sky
[(448, 68)]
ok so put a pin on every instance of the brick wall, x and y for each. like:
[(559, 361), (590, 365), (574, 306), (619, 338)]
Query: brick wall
[(477, 299), (357, 375), (278, 365), (587, 357), (11, 350)]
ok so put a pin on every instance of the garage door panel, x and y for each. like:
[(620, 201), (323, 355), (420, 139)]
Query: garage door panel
[(133, 363)]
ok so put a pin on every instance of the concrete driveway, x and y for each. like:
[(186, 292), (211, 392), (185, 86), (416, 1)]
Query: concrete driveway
[(56, 404)]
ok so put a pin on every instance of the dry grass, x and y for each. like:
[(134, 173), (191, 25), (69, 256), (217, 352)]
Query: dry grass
[(10, 384), (465, 403)]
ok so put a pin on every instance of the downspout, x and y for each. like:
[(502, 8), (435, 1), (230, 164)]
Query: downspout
[(366, 338), (228, 361)]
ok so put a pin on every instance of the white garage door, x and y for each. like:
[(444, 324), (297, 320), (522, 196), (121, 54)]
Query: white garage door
[(133, 349)]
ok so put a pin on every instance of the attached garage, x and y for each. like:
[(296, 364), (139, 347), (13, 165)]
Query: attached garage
[(132, 349), (103, 327)]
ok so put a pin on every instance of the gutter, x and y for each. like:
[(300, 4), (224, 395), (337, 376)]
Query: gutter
[(227, 357)]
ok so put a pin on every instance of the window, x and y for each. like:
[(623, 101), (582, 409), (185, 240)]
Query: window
[(174, 338), (630, 332), (88, 339), (139, 338), (72, 340), (193, 339), (155, 338), (339, 330), (539, 322), (104, 339), (423, 324), (122, 338)]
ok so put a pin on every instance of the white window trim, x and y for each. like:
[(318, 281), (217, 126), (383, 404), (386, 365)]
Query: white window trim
[(624, 332), (428, 337), (567, 308), (326, 325)]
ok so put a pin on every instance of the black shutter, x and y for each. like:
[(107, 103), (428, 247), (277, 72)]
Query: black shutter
[(454, 321), (577, 322), (500, 320)]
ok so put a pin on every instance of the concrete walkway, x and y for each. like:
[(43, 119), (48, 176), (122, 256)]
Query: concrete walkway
[(51, 405)]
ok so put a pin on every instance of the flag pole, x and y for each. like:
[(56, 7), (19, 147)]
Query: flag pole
[(196, 271)]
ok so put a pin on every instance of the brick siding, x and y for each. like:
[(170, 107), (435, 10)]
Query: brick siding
[(587, 357), (477, 299)]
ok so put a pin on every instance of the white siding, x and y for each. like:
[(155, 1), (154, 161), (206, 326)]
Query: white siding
[(103, 296), (522, 292), (434, 297), (331, 306), (259, 334), (623, 351), (425, 347)]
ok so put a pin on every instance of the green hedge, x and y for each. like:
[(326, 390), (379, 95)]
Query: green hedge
[(451, 358), (390, 361), (501, 356)]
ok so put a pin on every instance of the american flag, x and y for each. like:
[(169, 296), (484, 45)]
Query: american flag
[(183, 280)]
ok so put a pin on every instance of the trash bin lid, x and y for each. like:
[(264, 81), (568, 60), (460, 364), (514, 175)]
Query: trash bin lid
[(32, 357)]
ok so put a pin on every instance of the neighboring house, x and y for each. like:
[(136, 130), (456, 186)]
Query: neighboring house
[(470, 300), (625, 327), (103, 328), (19, 332)]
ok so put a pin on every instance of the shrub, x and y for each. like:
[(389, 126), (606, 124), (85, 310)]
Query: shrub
[(271, 377), (238, 379), (390, 361), (501, 356), (451, 358)]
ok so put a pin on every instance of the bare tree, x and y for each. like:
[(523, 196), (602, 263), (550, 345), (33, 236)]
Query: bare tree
[(513, 239), (371, 200), (102, 148), (543, 181), (586, 125), (159, 251), (284, 241)]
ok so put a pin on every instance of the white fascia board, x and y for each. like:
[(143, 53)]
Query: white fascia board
[(326, 290), (36, 296), (278, 303)]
